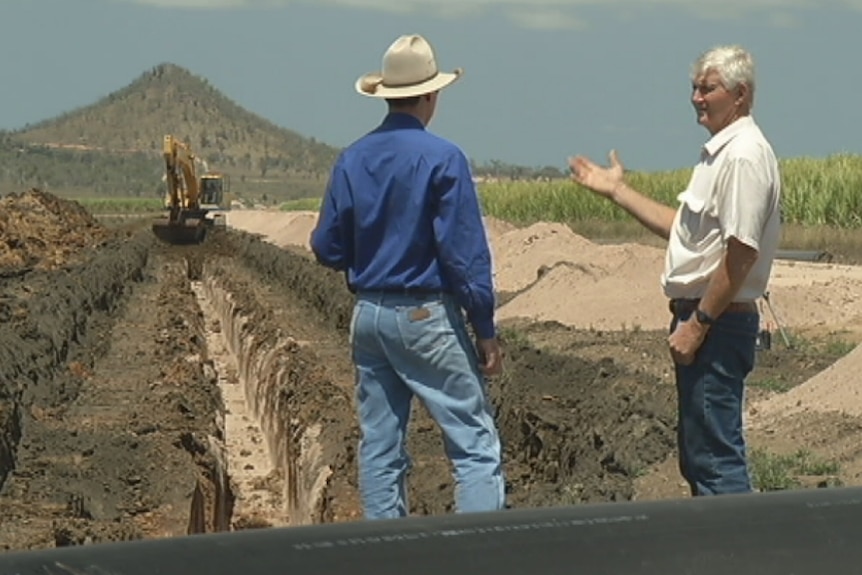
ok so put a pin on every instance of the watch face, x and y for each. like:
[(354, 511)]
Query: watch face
[(702, 317)]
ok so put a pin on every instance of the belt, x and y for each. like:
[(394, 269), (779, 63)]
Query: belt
[(404, 291), (684, 306), (416, 293)]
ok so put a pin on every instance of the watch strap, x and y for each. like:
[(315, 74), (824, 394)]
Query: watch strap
[(703, 317)]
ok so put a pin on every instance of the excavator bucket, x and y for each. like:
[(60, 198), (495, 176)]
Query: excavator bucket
[(186, 231)]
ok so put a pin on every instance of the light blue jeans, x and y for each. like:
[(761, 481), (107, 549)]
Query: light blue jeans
[(417, 345)]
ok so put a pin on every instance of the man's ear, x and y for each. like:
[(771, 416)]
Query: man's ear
[(742, 93)]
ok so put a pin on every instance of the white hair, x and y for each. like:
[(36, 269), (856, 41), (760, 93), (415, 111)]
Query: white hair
[(734, 65)]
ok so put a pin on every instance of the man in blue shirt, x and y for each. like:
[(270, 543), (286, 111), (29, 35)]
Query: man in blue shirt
[(401, 218)]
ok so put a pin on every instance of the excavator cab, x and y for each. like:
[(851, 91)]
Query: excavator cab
[(213, 189)]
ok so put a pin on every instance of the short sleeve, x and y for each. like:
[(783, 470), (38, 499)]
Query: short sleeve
[(745, 200)]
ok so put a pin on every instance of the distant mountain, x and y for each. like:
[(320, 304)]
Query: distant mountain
[(169, 99), (111, 147)]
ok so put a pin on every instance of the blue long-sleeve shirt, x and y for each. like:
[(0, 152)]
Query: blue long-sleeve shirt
[(401, 212)]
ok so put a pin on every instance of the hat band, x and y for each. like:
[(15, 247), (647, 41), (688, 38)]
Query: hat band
[(431, 77)]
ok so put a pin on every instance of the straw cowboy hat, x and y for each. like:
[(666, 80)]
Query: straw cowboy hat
[(409, 69)]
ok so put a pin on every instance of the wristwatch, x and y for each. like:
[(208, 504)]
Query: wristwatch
[(703, 317)]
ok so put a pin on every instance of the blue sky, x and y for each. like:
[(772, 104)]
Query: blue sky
[(544, 78)]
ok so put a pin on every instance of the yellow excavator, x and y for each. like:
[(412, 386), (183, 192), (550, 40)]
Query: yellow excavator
[(189, 198)]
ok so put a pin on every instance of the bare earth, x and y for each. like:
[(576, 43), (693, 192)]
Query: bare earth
[(607, 287), (149, 390), (553, 275)]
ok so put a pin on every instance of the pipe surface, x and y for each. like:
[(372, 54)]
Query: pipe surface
[(804, 255), (813, 531)]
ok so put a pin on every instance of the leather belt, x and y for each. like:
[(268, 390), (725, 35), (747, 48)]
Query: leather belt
[(420, 294), (685, 306)]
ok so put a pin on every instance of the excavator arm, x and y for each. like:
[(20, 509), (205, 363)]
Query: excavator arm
[(185, 221), (180, 175)]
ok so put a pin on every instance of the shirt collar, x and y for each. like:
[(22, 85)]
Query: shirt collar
[(726, 134), (400, 120)]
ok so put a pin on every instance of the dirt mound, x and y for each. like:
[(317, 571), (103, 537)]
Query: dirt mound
[(495, 228), (281, 228), (831, 390), (521, 254), (294, 228), (579, 430), (565, 278), (817, 295), (560, 276), (41, 231)]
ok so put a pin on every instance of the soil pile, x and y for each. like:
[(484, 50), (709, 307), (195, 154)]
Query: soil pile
[(550, 273), (294, 228), (521, 255), (281, 228), (830, 391), (41, 231)]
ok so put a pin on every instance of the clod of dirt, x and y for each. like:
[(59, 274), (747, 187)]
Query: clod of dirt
[(251, 522), (577, 430), (41, 231), (68, 532)]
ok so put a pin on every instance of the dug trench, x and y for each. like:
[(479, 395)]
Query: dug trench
[(154, 391)]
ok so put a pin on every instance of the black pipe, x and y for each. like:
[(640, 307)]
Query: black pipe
[(820, 256), (815, 531), (804, 255)]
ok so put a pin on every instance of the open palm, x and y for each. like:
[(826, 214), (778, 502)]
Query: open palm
[(597, 178)]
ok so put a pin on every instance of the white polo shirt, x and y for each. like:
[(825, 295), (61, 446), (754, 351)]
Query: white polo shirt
[(734, 191)]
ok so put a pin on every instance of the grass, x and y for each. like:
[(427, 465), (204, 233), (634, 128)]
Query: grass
[(774, 472), (276, 191), (840, 348), (301, 205), (773, 384), (100, 206), (815, 192), (837, 345), (822, 205)]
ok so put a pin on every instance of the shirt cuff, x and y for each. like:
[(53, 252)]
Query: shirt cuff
[(484, 328)]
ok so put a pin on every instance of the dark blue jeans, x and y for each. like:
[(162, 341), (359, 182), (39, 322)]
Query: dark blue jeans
[(710, 393)]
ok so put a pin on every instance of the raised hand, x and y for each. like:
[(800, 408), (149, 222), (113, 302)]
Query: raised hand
[(603, 181)]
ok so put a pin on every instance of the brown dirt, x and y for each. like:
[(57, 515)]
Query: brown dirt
[(40, 231), (570, 297), (109, 409), (117, 350)]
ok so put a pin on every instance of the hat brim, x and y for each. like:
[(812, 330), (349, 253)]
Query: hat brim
[(371, 85)]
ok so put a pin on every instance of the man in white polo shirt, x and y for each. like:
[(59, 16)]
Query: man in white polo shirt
[(721, 244)]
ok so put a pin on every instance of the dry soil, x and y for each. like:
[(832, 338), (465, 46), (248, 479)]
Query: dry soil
[(149, 390)]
